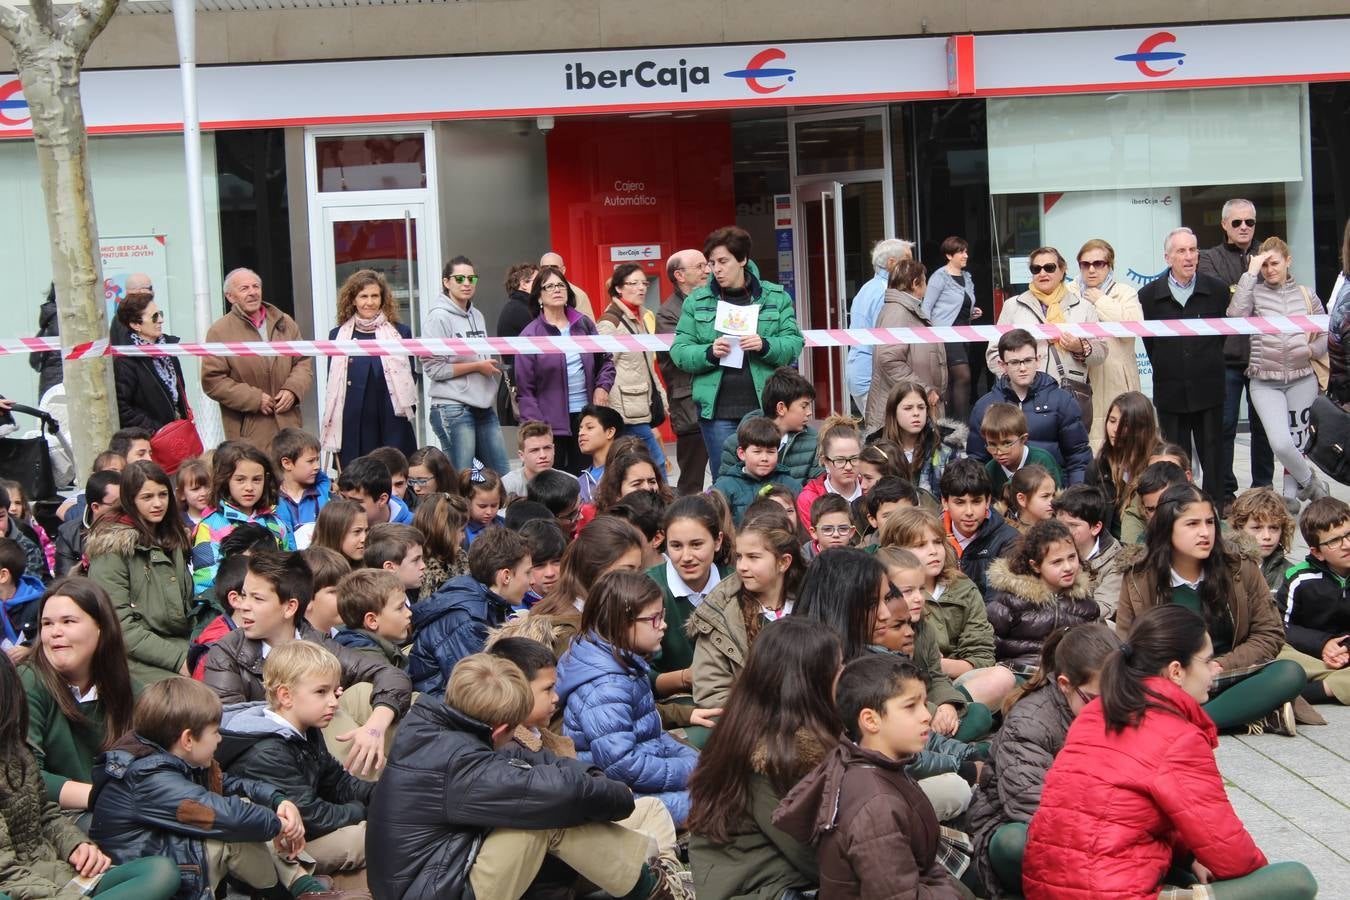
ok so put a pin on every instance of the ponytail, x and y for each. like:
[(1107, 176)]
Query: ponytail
[(1077, 652), (1160, 636)]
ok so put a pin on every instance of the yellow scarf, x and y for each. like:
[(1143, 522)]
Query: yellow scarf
[(1051, 302)]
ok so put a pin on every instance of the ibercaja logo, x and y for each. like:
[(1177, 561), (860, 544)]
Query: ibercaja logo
[(759, 74)]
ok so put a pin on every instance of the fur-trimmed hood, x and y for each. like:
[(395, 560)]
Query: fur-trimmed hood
[(1031, 588), (808, 753), (112, 537)]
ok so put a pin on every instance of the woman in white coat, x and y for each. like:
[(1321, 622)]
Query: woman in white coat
[(1114, 302)]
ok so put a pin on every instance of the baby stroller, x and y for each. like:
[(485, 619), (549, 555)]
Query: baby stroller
[(28, 460)]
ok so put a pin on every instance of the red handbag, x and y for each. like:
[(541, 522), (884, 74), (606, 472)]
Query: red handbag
[(176, 443)]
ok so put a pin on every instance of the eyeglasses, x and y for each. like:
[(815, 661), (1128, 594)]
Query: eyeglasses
[(554, 288), (654, 621), (419, 482), (1339, 541), (1038, 268), (633, 284), (1021, 363), (1084, 695), (462, 279), (1000, 446), (835, 530), (842, 461), (703, 266), (570, 516), (1238, 223), (1093, 264)]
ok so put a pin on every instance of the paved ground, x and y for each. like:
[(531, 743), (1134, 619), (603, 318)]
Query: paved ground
[(1293, 794)]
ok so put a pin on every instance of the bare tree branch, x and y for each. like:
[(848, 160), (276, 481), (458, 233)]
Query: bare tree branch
[(43, 15), (13, 24), (85, 22)]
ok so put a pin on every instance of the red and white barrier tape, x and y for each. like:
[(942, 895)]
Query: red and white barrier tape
[(618, 343)]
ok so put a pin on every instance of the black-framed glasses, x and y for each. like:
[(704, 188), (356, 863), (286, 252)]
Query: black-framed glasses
[(633, 284), (1340, 541), (842, 461), (464, 279), (1238, 223), (1093, 264), (1038, 268), (553, 288), (1021, 363)]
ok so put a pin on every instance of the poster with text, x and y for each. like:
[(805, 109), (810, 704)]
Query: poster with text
[(123, 256)]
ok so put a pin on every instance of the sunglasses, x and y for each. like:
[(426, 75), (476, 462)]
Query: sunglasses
[(157, 317), (462, 279), (1047, 267), (1238, 223), (1093, 264)]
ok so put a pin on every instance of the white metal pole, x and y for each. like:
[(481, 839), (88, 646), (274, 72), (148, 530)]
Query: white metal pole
[(185, 26)]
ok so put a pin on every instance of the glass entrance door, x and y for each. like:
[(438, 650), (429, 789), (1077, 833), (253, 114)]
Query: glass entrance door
[(840, 222), (389, 238)]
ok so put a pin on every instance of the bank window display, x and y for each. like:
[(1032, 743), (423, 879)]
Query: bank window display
[(1131, 166), (371, 162)]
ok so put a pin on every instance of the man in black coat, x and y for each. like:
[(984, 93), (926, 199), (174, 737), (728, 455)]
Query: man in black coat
[(1188, 372), (687, 271), (1227, 262)]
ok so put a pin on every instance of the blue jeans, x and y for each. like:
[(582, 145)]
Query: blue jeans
[(652, 440), (466, 432), (1263, 460), (715, 434)]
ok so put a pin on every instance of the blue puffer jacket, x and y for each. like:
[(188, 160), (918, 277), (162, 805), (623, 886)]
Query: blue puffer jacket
[(1054, 423), (451, 624), (610, 712), (148, 802)]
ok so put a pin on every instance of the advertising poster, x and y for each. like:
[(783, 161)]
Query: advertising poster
[(123, 256)]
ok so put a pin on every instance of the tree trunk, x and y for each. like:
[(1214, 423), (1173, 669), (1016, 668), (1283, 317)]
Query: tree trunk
[(49, 54)]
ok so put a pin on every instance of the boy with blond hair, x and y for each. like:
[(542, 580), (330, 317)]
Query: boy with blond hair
[(282, 741), (462, 813), (374, 608), (159, 792)]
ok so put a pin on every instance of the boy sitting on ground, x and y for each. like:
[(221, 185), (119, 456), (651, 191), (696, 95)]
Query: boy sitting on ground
[(305, 487), (873, 828), (398, 549), (329, 568), (890, 493), (1004, 429), (789, 400), (1085, 509), (757, 441), (1316, 603), (462, 813), (831, 526), (536, 452), (367, 481), (376, 613), (158, 791), (976, 532), (281, 742)]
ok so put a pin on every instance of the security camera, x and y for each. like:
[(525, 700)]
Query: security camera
[(544, 123)]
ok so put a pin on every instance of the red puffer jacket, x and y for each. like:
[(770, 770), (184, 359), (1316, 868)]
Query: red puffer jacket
[(1117, 806)]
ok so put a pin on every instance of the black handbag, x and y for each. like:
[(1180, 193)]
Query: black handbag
[(1081, 391), (508, 404), (28, 461), (1330, 430)]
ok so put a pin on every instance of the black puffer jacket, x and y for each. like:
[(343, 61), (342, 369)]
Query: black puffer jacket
[(148, 802), (47, 363), (1019, 756), (990, 542), (1023, 611), (142, 399), (445, 788), (255, 745)]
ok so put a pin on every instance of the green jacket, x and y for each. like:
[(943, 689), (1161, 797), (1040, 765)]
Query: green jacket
[(800, 457), (36, 838), (741, 488), (152, 593), (928, 656), (694, 337), (760, 861), (960, 624), (65, 750)]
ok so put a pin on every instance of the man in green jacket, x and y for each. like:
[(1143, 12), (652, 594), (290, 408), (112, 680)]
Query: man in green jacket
[(729, 370)]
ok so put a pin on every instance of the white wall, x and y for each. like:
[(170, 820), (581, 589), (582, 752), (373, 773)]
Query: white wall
[(140, 188)]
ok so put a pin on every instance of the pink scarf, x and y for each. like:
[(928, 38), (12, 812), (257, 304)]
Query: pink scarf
[(397, 375)]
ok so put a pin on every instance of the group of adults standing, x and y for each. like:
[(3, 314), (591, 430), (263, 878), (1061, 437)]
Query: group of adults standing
[(1197, 382)]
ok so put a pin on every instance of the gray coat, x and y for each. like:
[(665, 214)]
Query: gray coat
[(1279, 357)]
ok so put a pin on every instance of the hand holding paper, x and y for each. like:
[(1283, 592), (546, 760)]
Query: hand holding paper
[(739, 321)]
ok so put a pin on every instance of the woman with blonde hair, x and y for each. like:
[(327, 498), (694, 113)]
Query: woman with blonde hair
[(1114, 301), (371, 400)]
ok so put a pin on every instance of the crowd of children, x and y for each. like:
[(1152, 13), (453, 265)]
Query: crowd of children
[(858, 664)]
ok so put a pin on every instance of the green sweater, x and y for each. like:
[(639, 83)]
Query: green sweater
[(65, 750), (677, 648), (1036, 455)]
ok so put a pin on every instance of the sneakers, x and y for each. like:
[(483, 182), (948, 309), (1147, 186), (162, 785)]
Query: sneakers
[(670, 881), (1281, 721)]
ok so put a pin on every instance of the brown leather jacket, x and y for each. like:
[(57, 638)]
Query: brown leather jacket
[(237, 383)]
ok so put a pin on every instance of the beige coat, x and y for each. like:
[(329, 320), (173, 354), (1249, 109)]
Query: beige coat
[(893, 363), (238, 383), (721, 643), (1120, 372), (634, 373)]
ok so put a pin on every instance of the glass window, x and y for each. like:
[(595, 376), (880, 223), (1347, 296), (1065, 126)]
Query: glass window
[(840, 145), (378, 162)]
